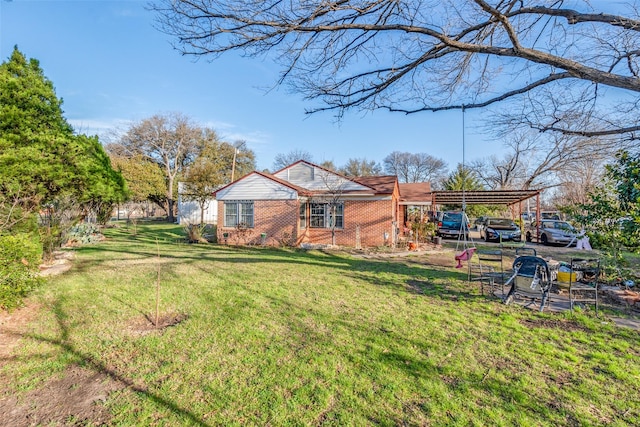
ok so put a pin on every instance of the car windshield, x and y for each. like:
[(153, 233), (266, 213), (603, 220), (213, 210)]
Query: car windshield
[(549, 215), (452, 216), (560, 225), (500, 222)]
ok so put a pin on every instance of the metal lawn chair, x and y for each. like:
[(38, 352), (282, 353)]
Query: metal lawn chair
[(583, 281), (526, 250), (491, 271), (530, 281)]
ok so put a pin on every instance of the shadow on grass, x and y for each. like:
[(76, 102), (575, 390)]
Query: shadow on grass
[(385, 349), (415, 278), (64, 343)]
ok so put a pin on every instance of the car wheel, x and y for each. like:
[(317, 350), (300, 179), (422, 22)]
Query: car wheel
[(544, 239), (529, 239)]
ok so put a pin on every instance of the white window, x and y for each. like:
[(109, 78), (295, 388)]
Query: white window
[(325, 215), (303, 215), (238, 213)]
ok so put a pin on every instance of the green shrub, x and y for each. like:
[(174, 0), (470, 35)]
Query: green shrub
[(422, 231), (83, 234), (20, 255)]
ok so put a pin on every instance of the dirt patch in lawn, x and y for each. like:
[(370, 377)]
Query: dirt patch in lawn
[(565, 325), (74, 398), (60, 262), (12, 326), (441, 259), (144, 325)]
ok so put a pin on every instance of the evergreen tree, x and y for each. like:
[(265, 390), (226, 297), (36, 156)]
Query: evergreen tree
[(40, 157), (43, 165), (465, 179)]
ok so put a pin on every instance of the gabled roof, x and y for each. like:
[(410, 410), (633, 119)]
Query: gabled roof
[(300, 190), (364, 186), (306, 163), (367, 185)]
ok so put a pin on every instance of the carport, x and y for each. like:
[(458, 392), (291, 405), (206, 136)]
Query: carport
[(485, 197), (507, 198)]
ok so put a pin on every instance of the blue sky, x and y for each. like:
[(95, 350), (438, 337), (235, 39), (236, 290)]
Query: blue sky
[(111, 67)]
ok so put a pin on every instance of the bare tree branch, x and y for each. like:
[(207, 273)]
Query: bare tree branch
[(428, 55)]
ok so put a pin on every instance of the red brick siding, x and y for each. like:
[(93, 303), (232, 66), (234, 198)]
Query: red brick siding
[(374, 217), (277, 218)]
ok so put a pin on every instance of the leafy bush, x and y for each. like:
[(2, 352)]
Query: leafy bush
[(423, 230), (20, 255), (83, 234)]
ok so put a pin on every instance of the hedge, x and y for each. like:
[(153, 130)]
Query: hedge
[(20, 255)]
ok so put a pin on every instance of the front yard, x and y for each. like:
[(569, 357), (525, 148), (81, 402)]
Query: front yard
[(263, 336)]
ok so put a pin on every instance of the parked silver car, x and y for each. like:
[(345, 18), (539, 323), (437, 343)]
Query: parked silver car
[(500, 229), (553, 232)]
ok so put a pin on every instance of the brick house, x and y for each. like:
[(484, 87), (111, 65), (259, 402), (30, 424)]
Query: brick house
[(305, 203)]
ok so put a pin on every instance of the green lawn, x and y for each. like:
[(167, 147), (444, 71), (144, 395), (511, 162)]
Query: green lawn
[(286, 337)]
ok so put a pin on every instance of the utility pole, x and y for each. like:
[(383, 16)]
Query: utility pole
[(233, 165)]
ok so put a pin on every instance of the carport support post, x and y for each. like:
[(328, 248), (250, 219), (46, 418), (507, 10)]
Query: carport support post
[(521, 220), (538, 216)]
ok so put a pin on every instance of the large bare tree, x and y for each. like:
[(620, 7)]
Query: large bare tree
[(577, 182), (534, 160), (415, 167), (566, 66), (282, 160), (172, 141)]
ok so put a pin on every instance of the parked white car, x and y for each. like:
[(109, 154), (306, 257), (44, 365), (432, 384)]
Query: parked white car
[(552, 232)]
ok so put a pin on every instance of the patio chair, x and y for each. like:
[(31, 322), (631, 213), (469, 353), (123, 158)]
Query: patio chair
[(491, 271), (526, 250), (583, 281), (530, 280)]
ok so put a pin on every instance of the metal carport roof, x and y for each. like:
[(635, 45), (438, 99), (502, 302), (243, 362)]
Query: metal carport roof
[(486, 197)]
